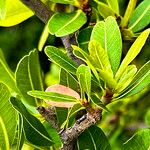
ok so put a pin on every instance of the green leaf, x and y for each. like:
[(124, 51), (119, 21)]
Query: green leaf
[(16, 12), (68, 80), (32, 126), (28, 77), (8, 119), (139, 82), (126, 78), (4, 140), (20, 134), (61, 59), (105, 10), (62, 24), (107, 78), (84, 77), (86, 58), (54, 134), (108, 35), (127, 15), (61, 114), (2, 9), (100, 57), (140, 141), (140, 17), (6, 75), (133, 52), (43, 38), (97, 102), (114, 5), (52, 96), (71, 113), (84, 38), (95, 140)]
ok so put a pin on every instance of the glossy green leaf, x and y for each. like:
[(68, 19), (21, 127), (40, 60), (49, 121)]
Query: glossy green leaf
[(32, 126), (107, 78), (114, 5), (68, 80), (43, 38), (96, 82), (133, 52), (62, 24), (140, 17), (140, 141), (61, 59), (16, 12), (100, 57), (84, 38), (86, 58), (104, 10), (71, 113), (28, 77), (6, 75), (128, 13), (126, 77), (108, 35), (52, 96), (97, 102), (76, 108), (2, 9), (139, 82), (4, 137), (8, 119), (84, 77), (95, 140), (54, 134), (20, 134)]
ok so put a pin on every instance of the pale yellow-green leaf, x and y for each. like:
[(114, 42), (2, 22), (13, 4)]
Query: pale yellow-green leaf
[(100, 56), (107, 78), (133, 52), (2, 9), (8, 119), (16, 12), (129, 11), (126, 78), (43, 38), (86, 58), (105, 10), (114, 5), (4, 143)]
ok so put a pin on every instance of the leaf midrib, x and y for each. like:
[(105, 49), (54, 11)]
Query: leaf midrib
[(78, 13)]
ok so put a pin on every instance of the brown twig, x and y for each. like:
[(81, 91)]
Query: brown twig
[(50, 116), (40, 9), (69, 135), (67, 42)]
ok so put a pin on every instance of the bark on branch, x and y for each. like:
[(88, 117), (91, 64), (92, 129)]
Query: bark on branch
[(43, 13), (69, 135), (40, 9), (50, 116)]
